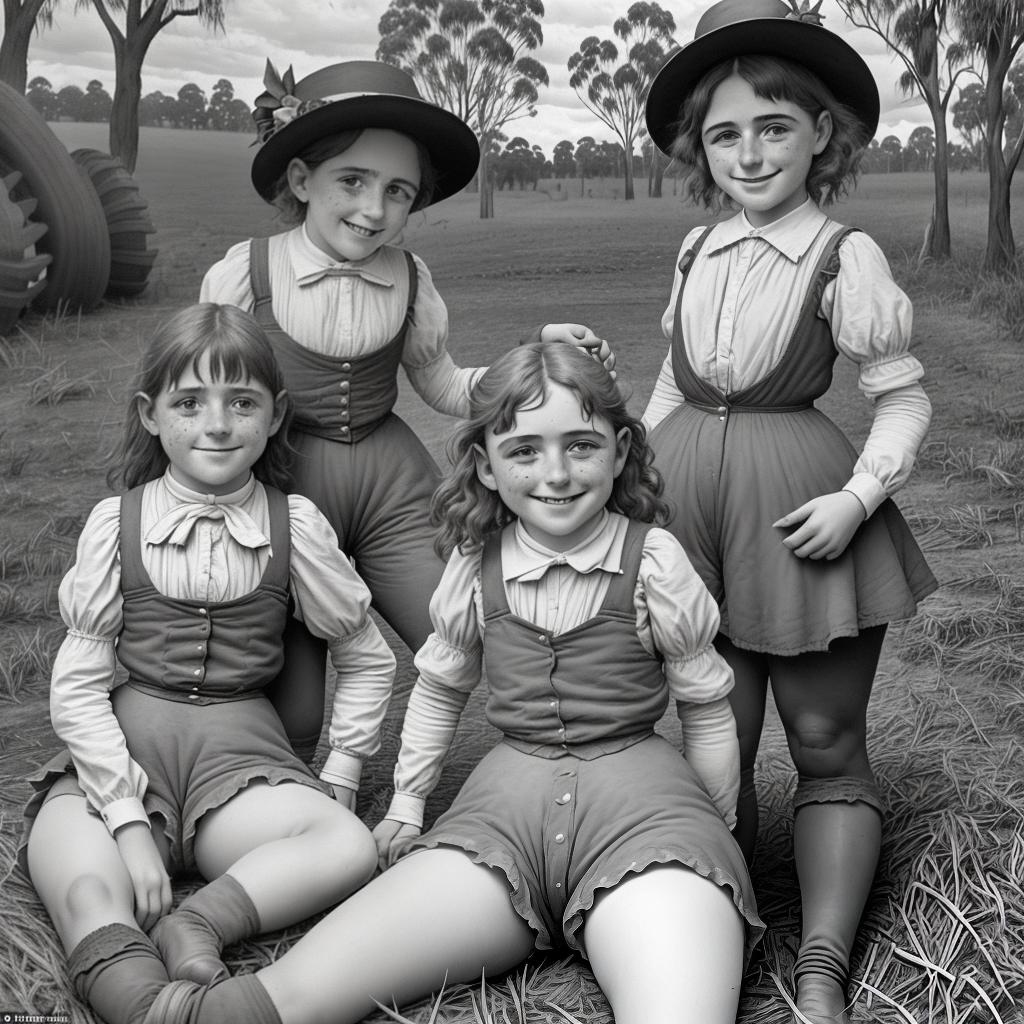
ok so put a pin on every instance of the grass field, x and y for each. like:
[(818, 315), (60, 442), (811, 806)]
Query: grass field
[(943, 935)]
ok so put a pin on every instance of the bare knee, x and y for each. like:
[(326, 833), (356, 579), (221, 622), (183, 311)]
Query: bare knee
[(92, 895), (824, 748)]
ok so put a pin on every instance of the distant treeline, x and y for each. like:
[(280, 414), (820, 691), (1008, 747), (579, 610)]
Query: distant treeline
[(515, 163)]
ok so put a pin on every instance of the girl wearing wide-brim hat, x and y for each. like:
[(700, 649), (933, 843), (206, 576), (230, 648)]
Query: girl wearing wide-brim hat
[(347, 153), (792, 530)]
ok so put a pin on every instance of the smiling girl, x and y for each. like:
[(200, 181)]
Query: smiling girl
[(582, 827), (182, 584), (346, 155), (791, 529)]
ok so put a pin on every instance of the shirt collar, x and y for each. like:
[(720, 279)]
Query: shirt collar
[(180, 492), (523, 559), (312, 264), (791, 235)]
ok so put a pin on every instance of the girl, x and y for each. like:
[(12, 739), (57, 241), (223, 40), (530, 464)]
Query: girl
[(184, 581), (790, 529), (582, 826), (346, 155)]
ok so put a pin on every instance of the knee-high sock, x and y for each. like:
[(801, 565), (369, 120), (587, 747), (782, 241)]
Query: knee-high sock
[(240, 1000), (192, 937), (118, 971), (835, 848)]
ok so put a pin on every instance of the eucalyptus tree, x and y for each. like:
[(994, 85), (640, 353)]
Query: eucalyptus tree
[(21, 18), (132, 26), (614, 90), (919, 33), (471, 57), (993, 30)]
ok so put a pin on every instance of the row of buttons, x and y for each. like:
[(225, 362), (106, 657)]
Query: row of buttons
[(204, 628), (344, 388)]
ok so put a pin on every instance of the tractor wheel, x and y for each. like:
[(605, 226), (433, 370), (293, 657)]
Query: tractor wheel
[(22, 270), (128, 221), (77, 237)]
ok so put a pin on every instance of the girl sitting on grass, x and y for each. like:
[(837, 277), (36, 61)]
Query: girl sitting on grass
[(582, 827), (184, 582), (791, 529)]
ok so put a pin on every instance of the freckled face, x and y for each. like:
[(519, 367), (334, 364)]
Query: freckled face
[(359, 200), (555, 468), (759, 150), (213, 431)]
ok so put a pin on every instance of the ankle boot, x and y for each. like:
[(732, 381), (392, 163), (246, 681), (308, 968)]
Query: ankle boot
[(835, 848), (118, 972), (191, 938)]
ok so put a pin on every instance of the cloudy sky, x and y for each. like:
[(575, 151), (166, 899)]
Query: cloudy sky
[(311, 33)]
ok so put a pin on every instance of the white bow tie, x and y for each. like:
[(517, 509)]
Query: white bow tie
[(175, 526)]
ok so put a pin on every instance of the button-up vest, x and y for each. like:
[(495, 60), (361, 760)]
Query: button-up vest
[(595, 683), (340, 398), (192, 650)]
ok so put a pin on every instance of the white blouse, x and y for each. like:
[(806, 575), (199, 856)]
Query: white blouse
[(342, 308), (211, 565), (740, 306), (675, 616)]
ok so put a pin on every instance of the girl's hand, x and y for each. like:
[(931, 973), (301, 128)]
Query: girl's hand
[(345, 796), (583, 337), (150, 881), (828, 525), (392, 837)]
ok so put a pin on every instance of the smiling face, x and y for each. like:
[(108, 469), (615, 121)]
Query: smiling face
[(759, 151), (213, 431), (555, 468), (360, 199)]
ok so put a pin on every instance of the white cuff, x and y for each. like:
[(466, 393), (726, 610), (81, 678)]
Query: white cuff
[(868, 490), (407, 809), (123, 812), (341, 769)]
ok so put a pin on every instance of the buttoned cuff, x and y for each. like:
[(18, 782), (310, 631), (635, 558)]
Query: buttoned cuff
[(407, 809), (868, 490), (341, 769), (123, 812)]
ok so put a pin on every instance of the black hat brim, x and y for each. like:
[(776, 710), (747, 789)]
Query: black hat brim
[(818, 49), (450, 142)]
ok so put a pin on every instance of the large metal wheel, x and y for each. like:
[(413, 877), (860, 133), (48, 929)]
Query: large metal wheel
[(128, 221), (67, 203), (22, 269)]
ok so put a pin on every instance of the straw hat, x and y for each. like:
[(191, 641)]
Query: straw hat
[(734, 28), (357, 94)]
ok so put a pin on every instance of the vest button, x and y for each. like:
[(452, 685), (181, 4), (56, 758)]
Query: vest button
[(560, 838), (542, 638), (722, 410), (193, 696), (346, 367), (198, 672), (344, 403), (563, 799), (343, 387), (343, 430), (202, 611)]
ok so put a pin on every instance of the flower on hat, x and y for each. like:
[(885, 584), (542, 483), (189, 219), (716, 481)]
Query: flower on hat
[(277, 105), (805, 13)]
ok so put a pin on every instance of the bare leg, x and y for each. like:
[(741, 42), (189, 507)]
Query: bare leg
[(293, 849), (748, 698), (276, 855), (666, 946), (434, 916)]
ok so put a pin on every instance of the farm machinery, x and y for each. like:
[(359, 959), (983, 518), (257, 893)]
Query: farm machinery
[(73, 227)]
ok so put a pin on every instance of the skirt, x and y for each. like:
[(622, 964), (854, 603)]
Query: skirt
[(728, 479), (196, 759), (561, 829)]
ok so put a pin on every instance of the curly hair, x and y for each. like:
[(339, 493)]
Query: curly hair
[(292, 211), (238, 350), (466, 511), (833, 171)]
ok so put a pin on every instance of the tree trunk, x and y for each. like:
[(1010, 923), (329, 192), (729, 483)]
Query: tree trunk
[(19, 23), (939, 244), (659, 175), (124, 114), (486, 186), (628, 162), (1000, 250)]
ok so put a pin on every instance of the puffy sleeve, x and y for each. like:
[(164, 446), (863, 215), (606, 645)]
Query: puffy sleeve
[(683, 620), (227, 281), (333, 601), (450, 665), (428, 364), (673, 603), (84, 673), (872, 321)]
